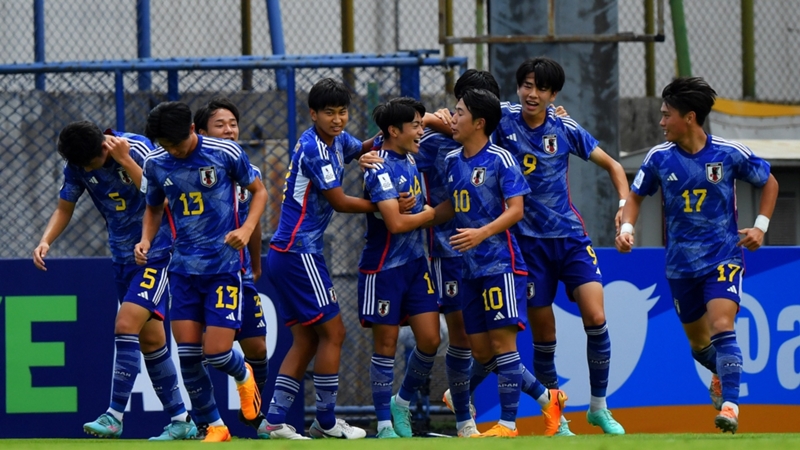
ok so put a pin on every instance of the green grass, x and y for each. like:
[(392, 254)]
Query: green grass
[(632, 442)]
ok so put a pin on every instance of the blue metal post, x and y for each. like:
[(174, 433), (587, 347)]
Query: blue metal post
[(143, 40), (409, 81), (38, 39), (291, 108), (119, 99), (173, 93), (276, 37)]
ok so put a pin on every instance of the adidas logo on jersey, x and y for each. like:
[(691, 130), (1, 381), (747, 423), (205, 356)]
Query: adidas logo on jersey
[(733, 289), (512, 137), (672, 177), (93, 180), (499, 316), (402, 179), (261, 324), (230, 317), (144, 295), (167, 182)]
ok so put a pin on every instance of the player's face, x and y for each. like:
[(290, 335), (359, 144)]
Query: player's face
[(330, 121), (408, 138), (222, 124), (98, 162), (462, 126), (180, 149), (534, 101), (672, 123)]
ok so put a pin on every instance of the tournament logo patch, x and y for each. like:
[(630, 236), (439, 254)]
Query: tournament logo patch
[(550, 143), (451, 288), (243, 194), (123, 175), (383, 307), (714, 172), (332, 295), (531, 291), (208, 176), (478, 176)]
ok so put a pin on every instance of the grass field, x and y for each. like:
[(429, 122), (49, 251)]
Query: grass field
[(753, 441)]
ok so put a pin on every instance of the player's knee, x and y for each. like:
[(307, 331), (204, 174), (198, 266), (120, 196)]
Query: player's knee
[(385, 345), (429, 344), (482, 355), (127, 325), (254, 348), (594, 318)]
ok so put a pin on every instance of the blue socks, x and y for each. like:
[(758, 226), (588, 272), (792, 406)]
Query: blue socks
[(230, 362), (729, 364), (417, 373), (530, 385), (286, 389), (381, 375), (598, 354), (327, 387), (165, 380), (126, 367), (260, 372), (544, 365), (707, 357), (480, 372), (198, 383), (509, 383), (458, 364)]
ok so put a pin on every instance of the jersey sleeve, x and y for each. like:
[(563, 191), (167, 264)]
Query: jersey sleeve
[(512, 181), (72, 189), (319, 170), (351, 147), (428, 150), (646, 181), (151, 188), (378, 183), (241, 170), (581, 142), (752, 169)]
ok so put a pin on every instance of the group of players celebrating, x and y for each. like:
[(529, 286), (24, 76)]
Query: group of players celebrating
[(487, 184)]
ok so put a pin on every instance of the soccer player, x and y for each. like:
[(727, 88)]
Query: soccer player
[(197, 176), (487, 189), (394, 285), (220, 119), (552, 236), (108, 166), (306, 298), (704, 258)]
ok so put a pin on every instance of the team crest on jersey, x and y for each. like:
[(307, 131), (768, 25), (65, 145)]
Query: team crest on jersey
[(123, 175), (714, 172), (208, 176), (531, 291), (332, 294), (451, 288), (478, 176), (243, 194), (383, 307), (550, 143)]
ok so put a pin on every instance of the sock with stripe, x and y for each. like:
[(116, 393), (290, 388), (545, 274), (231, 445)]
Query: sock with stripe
[(230, 362), (126, 368), (286, 389), (509, 383), (381, 376), (544, 363), (327, 386), (198, 384), (417, 373), (480, 372), (260, 371), (598, 354), (164, 377), (458, 364), (729, 365)]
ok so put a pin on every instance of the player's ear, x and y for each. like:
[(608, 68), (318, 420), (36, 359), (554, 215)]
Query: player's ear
[(313, 115), (480, 123), (690, 117)]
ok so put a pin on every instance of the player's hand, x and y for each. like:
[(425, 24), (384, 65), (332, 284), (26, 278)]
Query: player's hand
[(624, 242), (428, 209), (368, 160), (466, 238), (444, 115), (118, 148), (237, 238), (140, 252), (752, 238), (406, 202), (560, 111), (256, 272), (38, 255)]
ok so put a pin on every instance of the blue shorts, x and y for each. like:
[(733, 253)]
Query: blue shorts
[(447, 273), (214, 299), (391, 296), (253, 324), (146, 286), (571, 260), (690, 295), (305, 291), (494, 301)]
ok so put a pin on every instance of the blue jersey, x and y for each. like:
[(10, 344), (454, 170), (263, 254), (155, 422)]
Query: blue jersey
[(543, 153), (201, 191), (119, 201), (244, 197), (480, 187), (699, 199), (433, 147), (305, 212), (398, 173)]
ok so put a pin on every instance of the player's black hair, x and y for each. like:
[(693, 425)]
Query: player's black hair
[(547, 73), (202, 115), (476, 79), (483, 104), (170, 122), (328, 92), (80, 142), (690, 94), (396, 112)]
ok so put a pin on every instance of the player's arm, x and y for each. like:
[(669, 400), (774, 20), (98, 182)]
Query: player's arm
[(398, 223), (617, 175), (444, 212), (58, 222), (630, 213), (467, 238), (753, 238), (254, 247), (240, 237), (344, 203), (120, 150), (151, 221)]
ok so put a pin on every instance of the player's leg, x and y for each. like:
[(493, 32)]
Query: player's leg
[(252, 337)]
